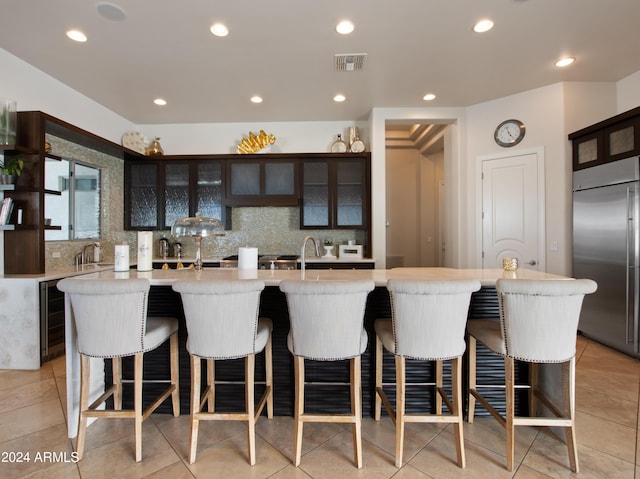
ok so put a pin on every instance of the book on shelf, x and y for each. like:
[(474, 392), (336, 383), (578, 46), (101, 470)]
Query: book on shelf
[(5, 212)]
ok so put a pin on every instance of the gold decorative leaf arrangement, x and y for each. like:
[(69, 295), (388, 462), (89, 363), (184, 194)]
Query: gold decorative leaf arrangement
[(255, 142)]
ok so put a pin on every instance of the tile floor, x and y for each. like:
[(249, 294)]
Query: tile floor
[(32, 419)]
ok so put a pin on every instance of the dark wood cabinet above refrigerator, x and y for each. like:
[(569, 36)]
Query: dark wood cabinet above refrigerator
[(610, 140)]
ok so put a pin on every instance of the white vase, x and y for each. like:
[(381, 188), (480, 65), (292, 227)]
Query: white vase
[(328, 251)]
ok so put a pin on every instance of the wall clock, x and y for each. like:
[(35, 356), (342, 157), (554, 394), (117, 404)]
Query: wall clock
[(509, 133)]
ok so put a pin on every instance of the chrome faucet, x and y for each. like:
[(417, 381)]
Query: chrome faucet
[(304, 244), (87, 252)]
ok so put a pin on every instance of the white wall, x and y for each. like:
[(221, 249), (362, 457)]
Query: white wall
[(628, 92), (402, 204), (220, 138), (412, 206), (431, 174), (587, 103), (34, 90)]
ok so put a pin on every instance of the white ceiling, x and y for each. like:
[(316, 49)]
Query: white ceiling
[(283, 50)]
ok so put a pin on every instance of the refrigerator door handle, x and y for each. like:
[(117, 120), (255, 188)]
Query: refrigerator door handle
[(629, 269), (633, 273)]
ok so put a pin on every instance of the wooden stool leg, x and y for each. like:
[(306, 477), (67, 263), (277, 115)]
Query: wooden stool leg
[(456, 391), (175, 373), (568, 399), (510, 410), (298, 367), (356, 408), (378, 399), (211, 382), (268, 358), (472, 378), (137, 399), (249, 371), (84, 403), (400, 400), (116, 366), (533, 382), (195, 406), (438, 397)]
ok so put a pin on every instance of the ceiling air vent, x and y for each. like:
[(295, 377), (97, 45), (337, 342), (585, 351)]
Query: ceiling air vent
[(350, 62)]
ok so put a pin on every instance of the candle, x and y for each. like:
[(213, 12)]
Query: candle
[(145, 248), (121, 257), (247, 258)]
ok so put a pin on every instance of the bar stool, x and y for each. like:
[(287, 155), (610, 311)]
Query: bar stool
[(428, 323), (538, 324), (111, 319), (222, 323), (327, 324)]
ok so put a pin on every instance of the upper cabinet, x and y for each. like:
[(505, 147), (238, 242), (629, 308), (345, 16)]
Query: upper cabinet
[(262, 180), (609, 140), (333, 190), (159, 191), (336, 192)]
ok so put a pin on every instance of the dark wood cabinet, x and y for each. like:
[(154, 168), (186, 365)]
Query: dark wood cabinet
[(262, 180), (610, 140), (335, 192), (24, 251), (142, 200), (162, 190)]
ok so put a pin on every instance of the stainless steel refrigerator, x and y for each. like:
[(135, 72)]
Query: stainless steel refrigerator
[(606, 249)]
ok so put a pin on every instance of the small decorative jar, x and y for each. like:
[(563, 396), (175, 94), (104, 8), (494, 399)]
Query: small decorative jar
[(510, 264), (154, 148)]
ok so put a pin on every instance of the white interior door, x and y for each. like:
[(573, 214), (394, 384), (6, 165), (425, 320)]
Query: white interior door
[(513, 211)]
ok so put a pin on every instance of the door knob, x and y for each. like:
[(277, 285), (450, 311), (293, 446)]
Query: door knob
[(533, 262)]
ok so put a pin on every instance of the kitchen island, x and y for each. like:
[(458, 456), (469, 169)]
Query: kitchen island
[(163, 301)]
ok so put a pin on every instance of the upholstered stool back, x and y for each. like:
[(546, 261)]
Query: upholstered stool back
[(110, 316), (540, 318), (327, 318), (429, 317), (222, 317)]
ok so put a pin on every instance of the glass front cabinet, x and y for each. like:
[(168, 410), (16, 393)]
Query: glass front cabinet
[(161, 191), (335, 192)]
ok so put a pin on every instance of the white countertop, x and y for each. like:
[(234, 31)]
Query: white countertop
[(487, 277), (59, 273), (67, 271)]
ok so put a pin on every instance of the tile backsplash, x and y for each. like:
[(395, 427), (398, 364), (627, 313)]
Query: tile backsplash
[(273, 230)]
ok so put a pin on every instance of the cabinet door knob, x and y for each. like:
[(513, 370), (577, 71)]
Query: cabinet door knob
[(533, 262)]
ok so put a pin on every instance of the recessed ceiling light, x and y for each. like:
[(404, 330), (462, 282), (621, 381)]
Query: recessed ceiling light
[(256, 99), (344, 27), (110, 11), (219, 30), (339, 98), (429, 97), (160, 101), (77, 36), (483, 26), (565, 62)]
